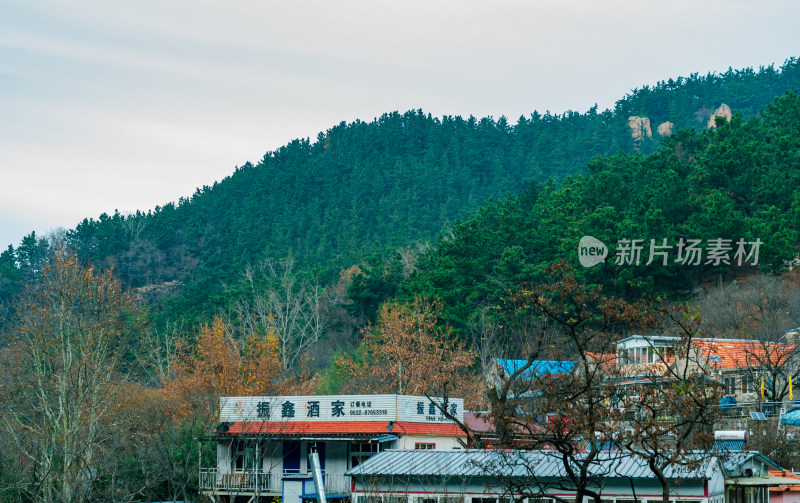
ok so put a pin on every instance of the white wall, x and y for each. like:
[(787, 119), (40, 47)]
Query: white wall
[(224, 456), (272, 456), (442, 442), (336, 458)]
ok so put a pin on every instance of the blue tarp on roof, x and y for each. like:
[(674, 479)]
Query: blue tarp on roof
[(538, 368), (791, 418)]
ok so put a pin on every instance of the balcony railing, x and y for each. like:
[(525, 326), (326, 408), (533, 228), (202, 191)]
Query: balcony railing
[(770, 409), (259, 481), (240, 481)]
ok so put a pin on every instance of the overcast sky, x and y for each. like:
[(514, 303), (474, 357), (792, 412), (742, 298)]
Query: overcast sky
[(131, 104)]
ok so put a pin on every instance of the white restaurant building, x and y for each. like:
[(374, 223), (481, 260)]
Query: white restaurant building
[(262, 443)]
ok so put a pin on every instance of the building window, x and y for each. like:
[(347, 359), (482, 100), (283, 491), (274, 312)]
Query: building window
[(747, 384), (425, 499), (360, 451), (419, 445), (484, 500), (730, 385), (243, 456)]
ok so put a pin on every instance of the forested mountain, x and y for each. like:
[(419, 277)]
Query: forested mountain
[(738, 181), (365, 186)]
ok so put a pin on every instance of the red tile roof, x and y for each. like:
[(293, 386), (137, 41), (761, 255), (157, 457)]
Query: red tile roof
[(478, 422), (344, 428), (735, 353), (482, 423), (788, 475)]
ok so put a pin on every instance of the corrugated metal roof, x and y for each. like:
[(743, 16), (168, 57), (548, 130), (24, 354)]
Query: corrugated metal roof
[(762, 481), (541, 464), (734, 460)]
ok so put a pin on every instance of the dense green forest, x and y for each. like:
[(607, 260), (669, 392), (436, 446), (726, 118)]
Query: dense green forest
[(738, 181), (362, 187)]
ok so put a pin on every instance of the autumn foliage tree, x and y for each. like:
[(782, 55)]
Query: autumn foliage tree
[(217, 364), (408, 351)]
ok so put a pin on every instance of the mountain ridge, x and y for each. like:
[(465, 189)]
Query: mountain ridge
[(363, 186)]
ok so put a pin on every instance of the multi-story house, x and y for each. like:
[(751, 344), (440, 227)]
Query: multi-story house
[(746, 368)]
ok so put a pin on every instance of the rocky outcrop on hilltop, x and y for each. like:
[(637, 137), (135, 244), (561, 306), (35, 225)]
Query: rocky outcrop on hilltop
[(640, 128), (723, 111)]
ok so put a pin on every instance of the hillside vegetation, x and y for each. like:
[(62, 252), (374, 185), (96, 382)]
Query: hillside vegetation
[(738, 181), (361, 187)]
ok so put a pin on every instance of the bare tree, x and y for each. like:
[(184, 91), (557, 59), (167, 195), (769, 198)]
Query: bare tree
[(556, 396), (774, 304), (134, 224), (761, 311), (671, 423), (410, 256), (486, 337), (285, 307), (723, 315), (762, 308), (559, 396), (63, 383), (159, 350)]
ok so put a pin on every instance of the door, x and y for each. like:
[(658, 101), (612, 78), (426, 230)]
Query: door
[(291, 456)]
